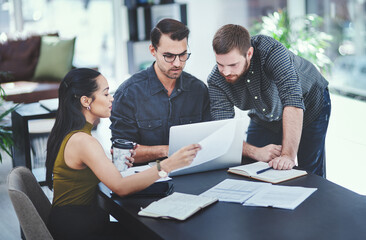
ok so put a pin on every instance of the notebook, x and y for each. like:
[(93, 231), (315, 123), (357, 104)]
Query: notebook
[(221, 141)]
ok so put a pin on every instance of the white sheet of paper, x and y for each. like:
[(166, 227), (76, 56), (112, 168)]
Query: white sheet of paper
[(215, 145), (134, 170), (237, 191), (280, 197)]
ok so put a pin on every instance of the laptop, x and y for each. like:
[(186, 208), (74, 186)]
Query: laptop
[(221, 141)]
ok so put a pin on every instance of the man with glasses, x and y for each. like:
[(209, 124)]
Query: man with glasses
[(152, 100)]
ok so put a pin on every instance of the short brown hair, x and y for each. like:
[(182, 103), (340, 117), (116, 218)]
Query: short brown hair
[(175, 29), (229, 37)]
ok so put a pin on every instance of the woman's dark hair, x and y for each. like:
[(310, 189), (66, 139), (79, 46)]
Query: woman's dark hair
[(230, 37), (175, 29), (77, 83)]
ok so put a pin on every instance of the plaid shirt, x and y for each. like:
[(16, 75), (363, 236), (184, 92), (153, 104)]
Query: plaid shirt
[(276, 78)]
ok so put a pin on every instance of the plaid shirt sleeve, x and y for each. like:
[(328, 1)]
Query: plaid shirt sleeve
[(280, 65), (221, 107)]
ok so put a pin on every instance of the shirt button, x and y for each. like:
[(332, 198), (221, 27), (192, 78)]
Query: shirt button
[(277, 118), (264, 109), (178, 89), (271, 116), (248, 80), (149, 125), (255, 97), (252, 72)]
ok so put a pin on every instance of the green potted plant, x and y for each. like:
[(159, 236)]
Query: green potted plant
[(307, 41), (6, 138)]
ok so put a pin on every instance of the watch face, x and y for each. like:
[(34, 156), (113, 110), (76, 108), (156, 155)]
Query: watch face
[(163, 174)]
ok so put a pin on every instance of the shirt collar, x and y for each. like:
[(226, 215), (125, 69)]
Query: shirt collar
[(156, 86), (88, 127)]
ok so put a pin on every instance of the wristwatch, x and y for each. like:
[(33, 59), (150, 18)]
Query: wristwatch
[(161, 172)]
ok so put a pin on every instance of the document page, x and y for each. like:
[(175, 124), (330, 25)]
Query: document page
[(137, 169), (177, 205), (215, 145), (236, 191), (280, 197)]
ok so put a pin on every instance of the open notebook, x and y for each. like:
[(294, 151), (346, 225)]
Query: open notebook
[(272, 176)]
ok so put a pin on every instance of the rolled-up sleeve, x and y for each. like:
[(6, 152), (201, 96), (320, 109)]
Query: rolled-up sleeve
[(279, 63)]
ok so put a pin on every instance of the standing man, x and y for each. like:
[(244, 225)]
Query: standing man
[(152, 100), (287, 97)]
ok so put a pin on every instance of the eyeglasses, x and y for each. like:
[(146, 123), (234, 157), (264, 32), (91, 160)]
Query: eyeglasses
[(169, 57)]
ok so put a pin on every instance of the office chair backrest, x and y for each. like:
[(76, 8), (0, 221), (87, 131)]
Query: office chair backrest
[(30, 203)]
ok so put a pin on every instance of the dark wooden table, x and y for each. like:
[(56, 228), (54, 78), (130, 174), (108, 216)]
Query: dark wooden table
[(331, 212)]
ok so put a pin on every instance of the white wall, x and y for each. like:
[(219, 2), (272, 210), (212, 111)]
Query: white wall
[(205, 17)]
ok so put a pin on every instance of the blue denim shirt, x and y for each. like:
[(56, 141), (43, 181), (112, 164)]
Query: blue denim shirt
[(143, 112)]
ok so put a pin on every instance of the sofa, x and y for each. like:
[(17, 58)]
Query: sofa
[(32, 67)]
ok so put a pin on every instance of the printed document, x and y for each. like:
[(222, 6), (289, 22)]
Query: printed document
[(231, 190), (280, 197), (259, 194)]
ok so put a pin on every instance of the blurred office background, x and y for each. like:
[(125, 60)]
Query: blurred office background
[(105, 39)]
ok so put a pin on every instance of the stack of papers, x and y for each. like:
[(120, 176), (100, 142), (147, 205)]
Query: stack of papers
[(259, 194)]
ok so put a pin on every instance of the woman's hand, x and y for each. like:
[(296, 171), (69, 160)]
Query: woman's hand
[(131, 159), (183, 157)]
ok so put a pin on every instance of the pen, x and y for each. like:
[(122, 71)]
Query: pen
[(263, 170)]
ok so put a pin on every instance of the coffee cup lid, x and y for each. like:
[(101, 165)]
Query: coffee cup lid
[(123, 143)]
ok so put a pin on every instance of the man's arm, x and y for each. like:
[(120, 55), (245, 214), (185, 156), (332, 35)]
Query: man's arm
[(262, 154), (292, 127), (279, 63), (148, 153), (222, 108)]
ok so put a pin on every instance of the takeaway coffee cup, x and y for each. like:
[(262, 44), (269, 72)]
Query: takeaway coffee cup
[(121, 150)]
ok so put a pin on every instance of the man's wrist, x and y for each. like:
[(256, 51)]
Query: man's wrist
[(249, 151), (164, 151)]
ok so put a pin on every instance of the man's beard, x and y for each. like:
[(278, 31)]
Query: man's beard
[(233, 78)]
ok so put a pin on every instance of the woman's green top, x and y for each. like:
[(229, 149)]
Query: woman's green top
[(71, 186)]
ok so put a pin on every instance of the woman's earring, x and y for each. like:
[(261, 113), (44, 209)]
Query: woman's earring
[(88, 108)]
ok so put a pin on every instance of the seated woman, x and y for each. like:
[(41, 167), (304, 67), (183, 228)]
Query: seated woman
[(76, 162)]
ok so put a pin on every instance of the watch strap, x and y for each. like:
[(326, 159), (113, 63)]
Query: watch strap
[(158, 165)]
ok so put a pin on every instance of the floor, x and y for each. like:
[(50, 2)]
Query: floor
[(345, 146)]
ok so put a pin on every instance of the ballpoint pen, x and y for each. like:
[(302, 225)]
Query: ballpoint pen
[(264, 170)]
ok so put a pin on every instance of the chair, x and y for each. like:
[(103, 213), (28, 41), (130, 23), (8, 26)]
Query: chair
[(30, 203)]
